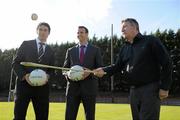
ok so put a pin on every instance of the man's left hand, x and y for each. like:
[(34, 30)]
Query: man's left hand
[(163, 94)]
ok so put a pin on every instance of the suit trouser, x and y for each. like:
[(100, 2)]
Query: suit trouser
[(39, 97), (72, 106), (145, 102)]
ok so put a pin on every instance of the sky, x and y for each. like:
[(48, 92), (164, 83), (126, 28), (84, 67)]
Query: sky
[(64, 17)]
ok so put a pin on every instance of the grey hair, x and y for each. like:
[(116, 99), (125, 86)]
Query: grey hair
[(132, 21)]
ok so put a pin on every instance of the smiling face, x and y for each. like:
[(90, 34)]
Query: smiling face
[(43, 33), (82, 35)]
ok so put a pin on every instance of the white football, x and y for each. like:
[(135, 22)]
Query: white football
[(38, 77), (76, 73)]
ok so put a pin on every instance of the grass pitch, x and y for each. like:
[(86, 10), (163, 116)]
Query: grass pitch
[(103, 112)]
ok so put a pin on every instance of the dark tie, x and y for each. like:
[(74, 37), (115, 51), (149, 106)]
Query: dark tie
[(82, 54), (41, 51)]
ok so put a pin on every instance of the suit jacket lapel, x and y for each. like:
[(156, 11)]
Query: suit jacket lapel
[(34, 48), (77, 54), (88, 49), (46, 51)]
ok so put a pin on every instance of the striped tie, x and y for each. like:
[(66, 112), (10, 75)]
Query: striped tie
[(41, 51)]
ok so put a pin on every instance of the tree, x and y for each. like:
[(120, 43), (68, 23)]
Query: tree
[(169, 38)]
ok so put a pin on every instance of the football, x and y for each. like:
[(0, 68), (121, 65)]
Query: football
[(38, 77), (76, 73)]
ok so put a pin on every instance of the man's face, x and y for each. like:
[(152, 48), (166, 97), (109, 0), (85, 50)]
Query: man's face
[(128, 30), (43, 32), (82, 35)]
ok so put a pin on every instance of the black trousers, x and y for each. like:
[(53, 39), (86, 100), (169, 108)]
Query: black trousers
[(72, 106), (145, 102), (39, 97)]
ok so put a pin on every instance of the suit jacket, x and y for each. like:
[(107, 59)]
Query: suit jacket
[(28, 52), (92, 60)]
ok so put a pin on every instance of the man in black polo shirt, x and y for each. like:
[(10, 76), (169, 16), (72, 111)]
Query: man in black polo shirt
[(148, 69)]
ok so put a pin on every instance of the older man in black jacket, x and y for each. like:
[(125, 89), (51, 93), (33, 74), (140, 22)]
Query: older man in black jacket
[(148, 70)]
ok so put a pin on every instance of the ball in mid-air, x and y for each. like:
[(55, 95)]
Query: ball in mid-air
[(34, 16)]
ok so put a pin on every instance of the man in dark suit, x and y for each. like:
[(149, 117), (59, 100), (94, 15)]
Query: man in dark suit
[(89, 57), (39, 52)]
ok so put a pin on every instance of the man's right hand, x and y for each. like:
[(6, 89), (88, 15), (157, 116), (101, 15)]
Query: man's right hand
[(26, 77), (163, 94), (99, 72)]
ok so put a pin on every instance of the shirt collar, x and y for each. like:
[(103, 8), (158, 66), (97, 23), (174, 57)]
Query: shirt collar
[(138, 37), (84, 44), (38, 41)]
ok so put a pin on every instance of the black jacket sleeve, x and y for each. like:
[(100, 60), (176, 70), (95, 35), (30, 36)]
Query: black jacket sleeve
[(67, 60), (19, 69), (98, 58), (165, 63), (117, 67), (51, 72)]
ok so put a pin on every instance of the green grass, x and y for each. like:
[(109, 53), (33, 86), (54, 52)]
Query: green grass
[(103, 112)]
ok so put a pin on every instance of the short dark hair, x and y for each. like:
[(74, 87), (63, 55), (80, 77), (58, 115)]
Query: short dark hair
[(132, 21), (45, 24), (86, 30)]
